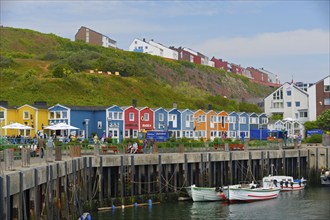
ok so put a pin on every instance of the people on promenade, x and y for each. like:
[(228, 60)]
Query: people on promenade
[(41, 147), (145, 143), (285, 139), (151, 145), (95, 139), (134, 148), (129, 147), (299, 140)]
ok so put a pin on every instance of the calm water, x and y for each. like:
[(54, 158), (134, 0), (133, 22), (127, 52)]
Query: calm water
[(311, 203)]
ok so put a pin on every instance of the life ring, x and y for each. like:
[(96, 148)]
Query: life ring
[(142, 118)]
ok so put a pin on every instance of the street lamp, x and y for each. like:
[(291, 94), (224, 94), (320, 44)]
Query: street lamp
[(260, 131), (86, 124), (1, 119)]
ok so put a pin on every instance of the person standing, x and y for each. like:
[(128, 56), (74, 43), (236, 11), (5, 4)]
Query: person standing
[(134, 148), (151, 145), (145, 142)]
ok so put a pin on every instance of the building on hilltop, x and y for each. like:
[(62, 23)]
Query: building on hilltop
[(319, 98), (152, 48), (289, 101), (165, 51), (303, 86), (187, 55), (237, 69), (92, 37), (272, 78), (220, 64), (258, 75)]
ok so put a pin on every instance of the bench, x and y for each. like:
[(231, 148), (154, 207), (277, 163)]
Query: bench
[(236, 146), (219, 146), (114, 149)]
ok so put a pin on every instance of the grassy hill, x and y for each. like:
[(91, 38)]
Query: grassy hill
[(45, 67)]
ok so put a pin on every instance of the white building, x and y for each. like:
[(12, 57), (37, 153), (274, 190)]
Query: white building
[(142, 46), (288, 101), (165, 51), (272, 78), (293, 127), (153, 48)]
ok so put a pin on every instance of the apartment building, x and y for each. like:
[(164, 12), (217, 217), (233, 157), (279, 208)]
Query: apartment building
[(95, 38)]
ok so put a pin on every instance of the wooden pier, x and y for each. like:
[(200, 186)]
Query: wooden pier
[(67, 188)]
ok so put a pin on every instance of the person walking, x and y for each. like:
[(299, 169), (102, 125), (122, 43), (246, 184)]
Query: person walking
[(145, 143), (151, 145)]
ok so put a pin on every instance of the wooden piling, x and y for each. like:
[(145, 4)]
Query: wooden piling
[(132, 176), (2, 208), (100, 183), (36, 197), (21, 197), (160, 170)]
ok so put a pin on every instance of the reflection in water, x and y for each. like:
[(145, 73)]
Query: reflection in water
[(211, 210), (310, 203)]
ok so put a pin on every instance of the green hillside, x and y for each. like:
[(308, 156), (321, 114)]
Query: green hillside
[(45, 67)]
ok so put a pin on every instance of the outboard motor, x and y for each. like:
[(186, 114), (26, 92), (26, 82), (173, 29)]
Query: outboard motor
[(286, 183), (275, 183), (281, 183), (291, 184)]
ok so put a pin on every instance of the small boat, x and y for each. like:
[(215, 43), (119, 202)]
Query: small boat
[(200, 194), (225, 190), (284, 183), (188, 189), (246, 194), (325, 177)]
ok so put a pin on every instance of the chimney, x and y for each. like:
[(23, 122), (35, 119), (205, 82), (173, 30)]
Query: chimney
[(175, 105), (209, 107), (3, 103), (40, 103), (134, 103), (144, 40)]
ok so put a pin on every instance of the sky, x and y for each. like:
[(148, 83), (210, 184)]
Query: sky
[(288, 38)]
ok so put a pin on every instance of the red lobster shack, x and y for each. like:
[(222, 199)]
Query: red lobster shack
[(146, 119), (131, 122)]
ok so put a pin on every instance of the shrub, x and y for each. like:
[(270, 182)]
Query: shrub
[(5, 62), (314, 138)]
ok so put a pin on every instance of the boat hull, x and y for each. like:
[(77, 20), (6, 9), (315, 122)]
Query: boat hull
[(201, 194), (325, 180), (251, 195)]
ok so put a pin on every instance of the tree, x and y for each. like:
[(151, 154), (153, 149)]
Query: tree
[(276, 117), (310, 125), (323, 121)]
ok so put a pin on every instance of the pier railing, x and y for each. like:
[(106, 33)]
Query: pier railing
[(76, 149)]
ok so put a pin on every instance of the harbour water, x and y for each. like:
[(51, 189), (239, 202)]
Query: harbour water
[(310, 203)]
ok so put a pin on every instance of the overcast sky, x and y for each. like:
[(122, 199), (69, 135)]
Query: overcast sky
[(287, 38)]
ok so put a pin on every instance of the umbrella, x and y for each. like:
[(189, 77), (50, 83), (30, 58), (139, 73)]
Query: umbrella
[(17, 126), (61, 126)]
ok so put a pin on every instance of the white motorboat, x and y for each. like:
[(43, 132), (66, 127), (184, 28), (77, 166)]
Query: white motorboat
[(251, 194), (200, 194), (325, 178), (284, 183)]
